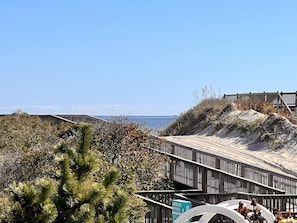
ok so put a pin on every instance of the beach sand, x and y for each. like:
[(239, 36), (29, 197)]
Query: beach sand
[(278, 154)]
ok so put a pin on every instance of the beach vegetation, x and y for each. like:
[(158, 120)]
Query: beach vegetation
[(77, 195), (128, 147), (75, 172)]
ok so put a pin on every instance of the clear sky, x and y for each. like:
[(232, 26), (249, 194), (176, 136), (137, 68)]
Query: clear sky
[(123, 57)]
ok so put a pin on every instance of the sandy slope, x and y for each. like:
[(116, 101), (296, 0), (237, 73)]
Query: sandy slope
[(250, 146)]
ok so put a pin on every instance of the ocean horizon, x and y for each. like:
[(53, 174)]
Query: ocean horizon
[(155, 122)]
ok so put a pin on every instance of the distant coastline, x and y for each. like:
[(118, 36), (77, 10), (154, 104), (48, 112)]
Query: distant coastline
[(156, 122)]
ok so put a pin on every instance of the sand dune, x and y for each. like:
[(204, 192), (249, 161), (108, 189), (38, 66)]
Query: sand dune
[(266, 141)]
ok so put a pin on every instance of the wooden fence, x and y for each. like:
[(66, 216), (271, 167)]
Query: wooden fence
[(286, 100)]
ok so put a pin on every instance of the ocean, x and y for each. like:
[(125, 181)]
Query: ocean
[(156, 123)]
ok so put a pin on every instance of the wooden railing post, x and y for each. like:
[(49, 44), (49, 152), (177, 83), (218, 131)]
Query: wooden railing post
[(221, 183), (242, 172), (217, 163), (172, 164), (284, 103), (159, 214), (277, 101), (270, 180), (204, 179), (195, 169), (295, 101), (281, 96)]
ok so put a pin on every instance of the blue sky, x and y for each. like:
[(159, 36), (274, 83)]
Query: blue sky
[(142, 57)]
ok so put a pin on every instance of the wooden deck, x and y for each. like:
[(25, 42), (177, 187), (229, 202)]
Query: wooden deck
[(217, 178)]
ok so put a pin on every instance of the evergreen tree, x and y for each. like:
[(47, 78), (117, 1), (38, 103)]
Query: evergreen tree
[(80, 194), (81, 198), (33, 203)]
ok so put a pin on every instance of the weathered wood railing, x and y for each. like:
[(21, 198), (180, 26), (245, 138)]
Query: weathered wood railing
[(215, 174), (286, 100), (217, 179), (211, 180)]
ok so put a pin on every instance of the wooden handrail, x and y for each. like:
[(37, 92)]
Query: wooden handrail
[(272, 95), (285, 104), (275, 190)]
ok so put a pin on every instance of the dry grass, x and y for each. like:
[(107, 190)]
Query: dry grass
[(203, 114), (199, 114), (265, 108), (259, 106)]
